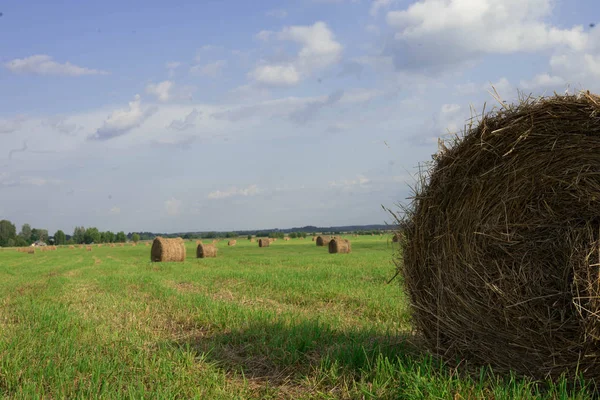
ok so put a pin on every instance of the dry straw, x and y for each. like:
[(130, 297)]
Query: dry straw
[(206, 250), (167, 250), (264, 242), (232, 243), (338, 245), (501, 243), (323, 240)]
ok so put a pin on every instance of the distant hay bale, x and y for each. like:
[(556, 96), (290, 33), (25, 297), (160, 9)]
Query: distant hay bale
[(198, 242), (215, 241), (314, 238), (286, 238), (323, 240), (121, 244), (339, 246), (81, 246), (232, 243), (500, 246), (264, 242), (147, 244), (133, 245), (252, 240), (89, 248), (30, 250), (206, 250), (167, 250), (112, 245), (71, 247)]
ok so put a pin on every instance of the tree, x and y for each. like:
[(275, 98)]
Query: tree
[(91, 235), (249, 237), (231, 235), (78, 234), (19, 242), (60, 238), (39, 234), (121, 238), (293, 235), (7, 231), (109, 237), (26, 232), (135, 238)]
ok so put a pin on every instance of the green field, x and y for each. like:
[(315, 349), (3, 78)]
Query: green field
[(287, 321)]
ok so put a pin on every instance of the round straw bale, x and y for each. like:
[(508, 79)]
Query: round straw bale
[(323, 240), (206, 250), (264, 242), (338, 245), (286, 238), (314, 238), (88, 248), (167, 250), (252, 240), (71, 247), (232, 243), (502, 240)]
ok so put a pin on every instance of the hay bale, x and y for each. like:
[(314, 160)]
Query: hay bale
[(323, 240), (206, 250), (252, 240), (286, 238), (167, 250), (133, 244), (30, 250), (88, 248), (338, 245), (232, 243), (264, 242), (112, 245), (215, 241), (147, 244), (314, 238), (198, 242), (501, 242), (71, 247)]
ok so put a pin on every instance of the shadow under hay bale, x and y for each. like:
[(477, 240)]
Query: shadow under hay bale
[(501, 243), (206, 250), (167, 250), (264, 242), (340, 246)]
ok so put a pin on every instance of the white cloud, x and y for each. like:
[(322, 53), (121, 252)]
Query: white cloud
[(278, 13), (185, 123), (7, 180), (543, 81), (251, 190), (160, 90), (318, 50), (173, 206), (265, 35), (276, 75), (379, 4), (114, 211), (211, 69), (62, 125), (442, 32), (171, 67), (11, 125), (42, 64), (121, 121)]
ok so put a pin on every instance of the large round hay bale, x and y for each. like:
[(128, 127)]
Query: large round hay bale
[(232, 243), (206, 250), (501, 244), (323, 240), (339, 246), (167, 250), (264, 242)]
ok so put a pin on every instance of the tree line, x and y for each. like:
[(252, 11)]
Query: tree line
[(81, 235)]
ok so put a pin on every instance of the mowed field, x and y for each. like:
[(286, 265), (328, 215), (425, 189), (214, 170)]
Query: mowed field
[(286, 321)]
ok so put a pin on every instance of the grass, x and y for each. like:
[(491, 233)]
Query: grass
[(287, 321)]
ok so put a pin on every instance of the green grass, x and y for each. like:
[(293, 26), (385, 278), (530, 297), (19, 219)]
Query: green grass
[(287, 321)]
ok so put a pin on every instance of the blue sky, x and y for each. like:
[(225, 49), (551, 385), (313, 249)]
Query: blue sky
[(224, 115)]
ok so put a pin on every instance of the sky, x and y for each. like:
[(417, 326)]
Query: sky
[(231, 115)]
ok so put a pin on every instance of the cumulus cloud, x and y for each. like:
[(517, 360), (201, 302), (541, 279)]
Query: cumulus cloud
[(7, 180), (378, 5), (11, 125), (61, 124), (173, 206), (436, 33), (42, 64), (318, 50), (185, 123), (212, 69), (160, 90), (251, 190), (122, 121)]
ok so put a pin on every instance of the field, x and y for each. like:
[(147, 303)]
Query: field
[(287, 321)]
